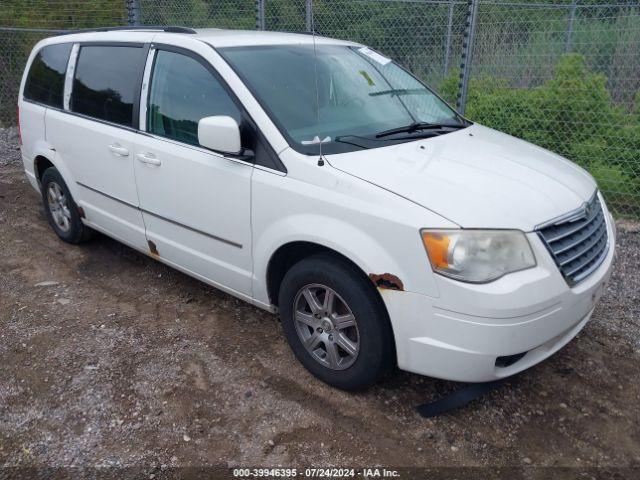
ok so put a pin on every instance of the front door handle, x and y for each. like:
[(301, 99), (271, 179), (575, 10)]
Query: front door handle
[(149, 158), (119, 150)]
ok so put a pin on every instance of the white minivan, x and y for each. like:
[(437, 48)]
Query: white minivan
[(319, 179)]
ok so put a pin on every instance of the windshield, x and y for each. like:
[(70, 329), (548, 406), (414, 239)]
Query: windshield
[(360, 94)]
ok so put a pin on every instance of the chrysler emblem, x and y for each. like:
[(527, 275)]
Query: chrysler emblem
[(584, 214), (588, 209)]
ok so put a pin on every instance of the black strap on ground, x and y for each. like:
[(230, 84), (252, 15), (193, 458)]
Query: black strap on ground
[(457, 399)]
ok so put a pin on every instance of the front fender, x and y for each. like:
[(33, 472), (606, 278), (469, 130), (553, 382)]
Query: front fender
[(375, 229), (357, 245)]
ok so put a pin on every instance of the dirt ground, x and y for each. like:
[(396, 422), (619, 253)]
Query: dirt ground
[(108, 358)]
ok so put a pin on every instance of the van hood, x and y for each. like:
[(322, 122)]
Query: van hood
[(475, 177)]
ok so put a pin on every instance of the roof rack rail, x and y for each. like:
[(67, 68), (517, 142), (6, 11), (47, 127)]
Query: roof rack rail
[(162, 28), (302, 32)]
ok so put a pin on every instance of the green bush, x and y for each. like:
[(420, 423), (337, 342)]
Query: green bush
[(573, 115)]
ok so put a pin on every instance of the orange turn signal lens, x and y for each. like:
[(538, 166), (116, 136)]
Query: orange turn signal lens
[(437, 246)]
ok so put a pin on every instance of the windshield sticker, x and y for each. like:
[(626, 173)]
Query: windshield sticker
[(375, 56), (316, 140), (367, 77)]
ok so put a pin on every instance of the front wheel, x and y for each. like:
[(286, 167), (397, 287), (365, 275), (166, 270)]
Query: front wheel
[(335, 323)]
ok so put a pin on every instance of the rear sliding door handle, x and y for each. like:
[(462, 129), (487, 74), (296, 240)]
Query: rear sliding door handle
[(148, 158), (119, 150)]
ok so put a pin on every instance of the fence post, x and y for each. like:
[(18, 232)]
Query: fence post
[(447, 46), (133, 12), (260, 23), (308, 15), (467, 54), (572, 17)]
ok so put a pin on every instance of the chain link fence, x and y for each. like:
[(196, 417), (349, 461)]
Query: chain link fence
[(562, 74), (565, 77)]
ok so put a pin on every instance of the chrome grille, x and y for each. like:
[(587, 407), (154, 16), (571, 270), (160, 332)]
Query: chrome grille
[(578, 242)]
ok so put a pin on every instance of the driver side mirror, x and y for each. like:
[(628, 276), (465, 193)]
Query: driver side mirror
[(220, 133)]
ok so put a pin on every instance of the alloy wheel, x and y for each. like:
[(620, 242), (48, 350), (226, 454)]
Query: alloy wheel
[(59, 206), (326, 326)]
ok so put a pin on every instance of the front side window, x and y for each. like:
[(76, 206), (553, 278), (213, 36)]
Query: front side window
[(45, 81), (340, 95), (107, 82), (182, 92)]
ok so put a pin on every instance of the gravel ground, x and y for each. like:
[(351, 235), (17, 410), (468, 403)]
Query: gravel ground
[(9, 149), (109, 358)]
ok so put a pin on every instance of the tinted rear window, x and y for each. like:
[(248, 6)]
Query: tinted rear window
[(107, 82), (45, 82)]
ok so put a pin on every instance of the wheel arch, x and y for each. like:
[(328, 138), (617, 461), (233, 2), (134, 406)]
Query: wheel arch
[(46, 158), (40, 164), (293, 252), (287, 255)]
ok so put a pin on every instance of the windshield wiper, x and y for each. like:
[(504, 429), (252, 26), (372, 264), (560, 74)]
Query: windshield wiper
[(341, 139), (417, 126), (400, 91)]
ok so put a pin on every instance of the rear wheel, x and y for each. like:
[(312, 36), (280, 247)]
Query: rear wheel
[(61, 209), (335, 323)]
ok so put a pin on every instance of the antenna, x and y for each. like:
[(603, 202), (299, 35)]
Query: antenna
[(315, 68)]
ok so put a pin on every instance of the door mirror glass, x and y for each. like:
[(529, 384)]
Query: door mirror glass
[(220, 133)]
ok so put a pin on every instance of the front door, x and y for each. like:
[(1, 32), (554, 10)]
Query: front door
[(195, 202)]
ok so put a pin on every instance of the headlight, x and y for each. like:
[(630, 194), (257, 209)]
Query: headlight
[(477, 256)]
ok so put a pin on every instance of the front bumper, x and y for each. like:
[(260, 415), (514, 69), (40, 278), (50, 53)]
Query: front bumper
[(464, 333)]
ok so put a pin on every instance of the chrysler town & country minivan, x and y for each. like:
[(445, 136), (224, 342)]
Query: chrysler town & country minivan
[(319, 179)]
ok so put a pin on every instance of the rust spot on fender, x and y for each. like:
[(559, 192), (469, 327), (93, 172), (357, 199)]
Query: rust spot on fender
[(81, 212), (153, 250), (387, 281)]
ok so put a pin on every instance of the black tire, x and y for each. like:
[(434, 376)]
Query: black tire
[(376, 354), (76, 232)]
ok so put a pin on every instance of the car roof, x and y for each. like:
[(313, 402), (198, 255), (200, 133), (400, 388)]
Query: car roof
[(231, 38), (214, 36)]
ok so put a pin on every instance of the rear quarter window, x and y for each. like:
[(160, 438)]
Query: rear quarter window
[(45, 81), (107, 82)]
